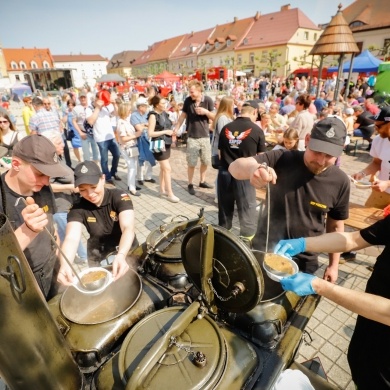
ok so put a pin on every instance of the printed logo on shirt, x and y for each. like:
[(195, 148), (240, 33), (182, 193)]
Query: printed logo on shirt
[(113, 216), (236, 138), (91, 219), (45, 208), (125, 197), (321, 206)]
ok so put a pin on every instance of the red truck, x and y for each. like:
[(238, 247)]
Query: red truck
[(214, 73)]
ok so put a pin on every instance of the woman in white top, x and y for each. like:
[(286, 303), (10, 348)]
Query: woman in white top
[(304, 121), (128, 145)]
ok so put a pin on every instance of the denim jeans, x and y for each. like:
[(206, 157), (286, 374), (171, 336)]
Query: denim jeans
[(104, 147), (87, 145), (61, 220), (131, 163)]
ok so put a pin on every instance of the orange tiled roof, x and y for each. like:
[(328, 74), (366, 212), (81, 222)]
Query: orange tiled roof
[(195, 39), (78, 57), (373, 13), (166, 48), (27, 56), (160, 51), (276, 28), (236, 29)]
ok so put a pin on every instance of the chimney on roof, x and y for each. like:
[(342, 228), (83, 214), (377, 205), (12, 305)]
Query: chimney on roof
[(192, 33), (235, 19), (257, 16), (285, 7)]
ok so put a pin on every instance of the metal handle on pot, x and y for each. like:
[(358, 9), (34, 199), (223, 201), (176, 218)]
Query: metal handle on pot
[(11, 275)]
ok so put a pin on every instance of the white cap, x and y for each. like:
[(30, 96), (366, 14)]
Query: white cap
[(140, 101)]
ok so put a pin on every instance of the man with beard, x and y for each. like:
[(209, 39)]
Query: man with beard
[(34, 161), (307, 192), (380, 151)]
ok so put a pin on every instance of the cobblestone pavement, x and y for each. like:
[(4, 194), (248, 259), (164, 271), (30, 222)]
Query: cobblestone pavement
[(331, 326)]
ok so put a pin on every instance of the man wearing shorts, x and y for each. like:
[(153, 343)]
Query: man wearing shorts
[(197, 110)]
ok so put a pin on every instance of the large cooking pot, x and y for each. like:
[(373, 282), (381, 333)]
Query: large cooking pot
[(182, 347), (116, 299), (263, 308), (94, 325), (164, 252)]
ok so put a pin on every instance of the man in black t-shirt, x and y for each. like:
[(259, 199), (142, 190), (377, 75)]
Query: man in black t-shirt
[(34, 161), (197, 110), (364, 126), (240, 138), (308, 193)]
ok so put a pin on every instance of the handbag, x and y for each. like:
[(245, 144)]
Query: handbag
[(215, 161), (157, 145), (132, 151), (69, 134)]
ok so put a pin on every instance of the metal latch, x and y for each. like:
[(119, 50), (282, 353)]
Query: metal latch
[(11, 275)]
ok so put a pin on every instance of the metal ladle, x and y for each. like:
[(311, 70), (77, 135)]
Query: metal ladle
[(53, 240)]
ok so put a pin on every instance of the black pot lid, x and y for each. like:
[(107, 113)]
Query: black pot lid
[(169, 249), (233, 264), (175, 369)]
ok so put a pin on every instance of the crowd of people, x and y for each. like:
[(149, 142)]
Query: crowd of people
[(308, 193)]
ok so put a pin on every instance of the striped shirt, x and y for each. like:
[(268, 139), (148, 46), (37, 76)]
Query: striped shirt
[(45, 120)]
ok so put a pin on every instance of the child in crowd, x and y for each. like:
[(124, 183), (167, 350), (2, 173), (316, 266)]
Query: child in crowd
[(289, 141)]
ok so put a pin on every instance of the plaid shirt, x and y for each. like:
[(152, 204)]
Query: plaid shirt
[(45, 120)]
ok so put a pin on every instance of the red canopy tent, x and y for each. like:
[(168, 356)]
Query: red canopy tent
[(167, 76)]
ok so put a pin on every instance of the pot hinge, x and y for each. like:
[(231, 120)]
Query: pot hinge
[(238, 288), (10, 275), (198, 358)]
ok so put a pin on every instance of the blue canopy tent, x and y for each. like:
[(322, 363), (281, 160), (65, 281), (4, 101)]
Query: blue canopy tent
[(21, 90), (364, 62)]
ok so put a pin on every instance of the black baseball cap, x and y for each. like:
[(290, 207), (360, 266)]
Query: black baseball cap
[(383, 115), (87, 172), (328, 136), (40, 152)]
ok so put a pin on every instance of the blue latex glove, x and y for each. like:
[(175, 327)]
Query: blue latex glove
[(300, 284), (291, 247)]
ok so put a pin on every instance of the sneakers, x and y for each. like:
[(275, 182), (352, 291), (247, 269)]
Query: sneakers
[(138, 188), (116, 177), (140, 182), (150, 180), (110, 181), (205, 185), (135, 193), (347, 256), (191, 189), (173, 199)]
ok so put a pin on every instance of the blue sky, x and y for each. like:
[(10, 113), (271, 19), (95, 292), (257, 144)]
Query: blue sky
[(109, 27)]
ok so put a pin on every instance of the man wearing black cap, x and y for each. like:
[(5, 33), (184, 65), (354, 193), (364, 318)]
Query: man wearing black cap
[(380, 151), (305, 187), (34, 161)]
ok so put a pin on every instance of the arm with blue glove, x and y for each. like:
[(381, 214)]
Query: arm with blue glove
[(300, 283), (290, 248), (371, 306)]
